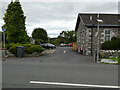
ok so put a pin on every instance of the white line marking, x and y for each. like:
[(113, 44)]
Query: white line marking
[(71, 84)]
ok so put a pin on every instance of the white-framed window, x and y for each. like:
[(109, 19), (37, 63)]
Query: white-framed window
[(107, 35)]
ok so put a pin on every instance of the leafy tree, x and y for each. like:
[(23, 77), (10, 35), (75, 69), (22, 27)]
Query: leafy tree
[(15, 23), (71, 36), (40, 35), (65, 37)]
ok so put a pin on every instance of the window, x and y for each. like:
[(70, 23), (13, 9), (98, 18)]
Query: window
[(107, 35), (107, 31)]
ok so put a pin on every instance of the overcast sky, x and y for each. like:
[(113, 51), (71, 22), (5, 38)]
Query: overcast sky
[(55, 16)]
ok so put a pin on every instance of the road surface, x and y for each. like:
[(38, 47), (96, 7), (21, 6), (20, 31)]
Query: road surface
[(59, 67)]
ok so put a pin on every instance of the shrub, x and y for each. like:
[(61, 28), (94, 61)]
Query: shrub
[(13, 48), (114, 44), (8, 45), (29, 48)]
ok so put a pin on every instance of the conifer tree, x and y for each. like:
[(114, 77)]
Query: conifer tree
[(15, 23)]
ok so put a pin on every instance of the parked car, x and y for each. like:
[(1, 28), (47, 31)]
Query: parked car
[(63, 45), (69, 44), (48, 46)]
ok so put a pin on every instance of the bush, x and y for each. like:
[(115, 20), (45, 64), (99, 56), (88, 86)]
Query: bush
[(29, 48), (13, 48), (8, 46), (114, 44)]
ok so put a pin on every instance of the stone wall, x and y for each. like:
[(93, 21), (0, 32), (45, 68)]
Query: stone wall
[(84, 39), (87, 38), (114, 33), (109, 53), (81, 36)]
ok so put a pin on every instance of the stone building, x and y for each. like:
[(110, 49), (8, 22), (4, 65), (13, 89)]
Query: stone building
[(89, 30), (32, 41)]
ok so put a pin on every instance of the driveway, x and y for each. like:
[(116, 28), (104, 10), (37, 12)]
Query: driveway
[(63, 65)]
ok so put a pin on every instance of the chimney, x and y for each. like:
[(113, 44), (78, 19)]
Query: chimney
[(16, 0), (91, 18), (98, 15)]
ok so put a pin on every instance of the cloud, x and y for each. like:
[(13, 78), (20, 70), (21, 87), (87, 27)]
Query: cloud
[(63, 0), (58, 15), (48, 11), (1, 24), (53, 26), (110, 7)]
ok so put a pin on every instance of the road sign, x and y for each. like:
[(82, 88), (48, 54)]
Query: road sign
[(3, 29)]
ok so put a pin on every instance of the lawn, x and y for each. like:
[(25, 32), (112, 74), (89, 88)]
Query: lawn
[(114, 58)]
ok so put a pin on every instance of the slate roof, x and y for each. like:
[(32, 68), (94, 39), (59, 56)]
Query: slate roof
[(90, 20)]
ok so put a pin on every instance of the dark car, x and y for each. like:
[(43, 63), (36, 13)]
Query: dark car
[(48, 46)]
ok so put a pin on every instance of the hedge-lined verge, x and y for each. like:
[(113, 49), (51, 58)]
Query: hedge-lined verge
[(29, 48)]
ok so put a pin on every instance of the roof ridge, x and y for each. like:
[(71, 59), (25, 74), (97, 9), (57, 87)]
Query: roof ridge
[(100, 13)]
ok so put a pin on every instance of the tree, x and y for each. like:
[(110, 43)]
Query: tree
[(40, 35), (15, 23), (65, 37), (71, 36)]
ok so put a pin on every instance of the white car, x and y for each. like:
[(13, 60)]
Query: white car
[(63, 45)]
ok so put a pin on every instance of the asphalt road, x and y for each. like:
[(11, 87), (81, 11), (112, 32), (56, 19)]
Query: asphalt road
[(64, 66)]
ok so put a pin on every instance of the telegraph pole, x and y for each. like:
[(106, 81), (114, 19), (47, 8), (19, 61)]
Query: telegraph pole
[(3, 29), (98, 36)]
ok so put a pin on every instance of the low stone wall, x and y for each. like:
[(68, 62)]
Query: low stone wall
[(109, 53), (35, 54), (8, 54)]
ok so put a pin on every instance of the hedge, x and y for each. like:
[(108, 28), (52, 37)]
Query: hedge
[(114, 44), (29, 48)]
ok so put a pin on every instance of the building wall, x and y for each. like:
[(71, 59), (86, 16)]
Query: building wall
[(87, 38), (114, 33), (84, 39)]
